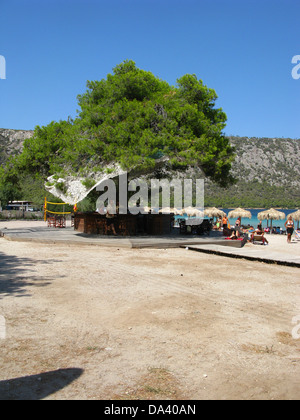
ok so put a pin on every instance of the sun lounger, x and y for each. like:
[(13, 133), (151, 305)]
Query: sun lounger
[(258, 239), (297, 235), (242, 240)]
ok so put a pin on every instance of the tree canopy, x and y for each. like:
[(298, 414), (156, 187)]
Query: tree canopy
[(132, 119)]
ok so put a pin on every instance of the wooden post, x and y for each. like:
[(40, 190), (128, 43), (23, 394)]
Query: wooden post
[(45, 210)]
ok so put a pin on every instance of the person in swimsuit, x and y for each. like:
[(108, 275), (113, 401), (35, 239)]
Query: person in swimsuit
[(259, 231), (289, 225), (238, 227)]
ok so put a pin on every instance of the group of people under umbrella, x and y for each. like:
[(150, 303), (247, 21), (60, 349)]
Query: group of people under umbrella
[(269, 215), (239, 214)]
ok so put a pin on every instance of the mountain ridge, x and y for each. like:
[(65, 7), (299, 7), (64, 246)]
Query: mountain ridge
[(267, 170)]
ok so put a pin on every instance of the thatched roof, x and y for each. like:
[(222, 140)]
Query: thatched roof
[(271, 214), (192, 211), (295, 215), (239, 212), (214, 212), (169, 210)]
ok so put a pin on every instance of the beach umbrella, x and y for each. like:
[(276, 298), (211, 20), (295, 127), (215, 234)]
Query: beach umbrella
[(192, 211), (147, 209), (214, 212), (239, 212), (271, 214), (169, 210), (296, 217)]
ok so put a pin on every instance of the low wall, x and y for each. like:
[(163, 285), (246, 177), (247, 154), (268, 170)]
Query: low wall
[(19, 214)]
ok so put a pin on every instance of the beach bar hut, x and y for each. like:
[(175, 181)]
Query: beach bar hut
[(239, 212), (271, 214)]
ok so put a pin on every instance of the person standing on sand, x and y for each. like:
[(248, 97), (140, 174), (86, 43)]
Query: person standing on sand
[(289, 225), (110, 215)]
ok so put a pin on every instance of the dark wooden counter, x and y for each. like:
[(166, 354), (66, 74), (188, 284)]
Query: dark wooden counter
[(125, 224)]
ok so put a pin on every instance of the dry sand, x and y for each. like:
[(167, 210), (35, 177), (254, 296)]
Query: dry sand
[(99, 323)]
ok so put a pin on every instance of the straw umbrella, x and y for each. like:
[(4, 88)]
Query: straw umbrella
[(214, 212), (271, 214), (239, 212), (169, 210), (147, 209), (192, 211), (296, 217)]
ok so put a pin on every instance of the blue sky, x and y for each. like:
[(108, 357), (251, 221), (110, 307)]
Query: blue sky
[(242, 49)]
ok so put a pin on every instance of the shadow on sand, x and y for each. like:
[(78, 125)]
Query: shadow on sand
[(38, 387), (15, 275)]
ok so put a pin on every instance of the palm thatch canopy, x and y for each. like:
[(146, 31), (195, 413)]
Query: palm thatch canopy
[(169, 210), (295, 215), (239, 213), (147, 209), (271, 214), (192, 211), (214, 212)]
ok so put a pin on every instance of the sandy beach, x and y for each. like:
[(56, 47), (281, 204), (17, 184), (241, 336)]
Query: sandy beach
[(112, 323)]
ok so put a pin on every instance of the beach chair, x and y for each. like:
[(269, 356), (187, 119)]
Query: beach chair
[(297, 235), (60, 222), (51, 222), (258, 239)]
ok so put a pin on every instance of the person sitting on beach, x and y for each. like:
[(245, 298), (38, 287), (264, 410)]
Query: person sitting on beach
[(217, 226), (233, 235), (259, 231), (289, 225), (219, 223), (238, 227)]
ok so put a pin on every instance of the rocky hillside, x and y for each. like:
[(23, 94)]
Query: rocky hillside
[(273, 161), (11, 142), (267, 171)]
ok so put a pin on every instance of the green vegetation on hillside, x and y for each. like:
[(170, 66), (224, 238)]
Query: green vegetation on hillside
[(267, 173), (132, 119), (253, 194), (135, 120)]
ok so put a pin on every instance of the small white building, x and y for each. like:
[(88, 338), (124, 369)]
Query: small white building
[(20, 205)]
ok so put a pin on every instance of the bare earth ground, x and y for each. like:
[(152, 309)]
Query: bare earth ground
[(99, 323)]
